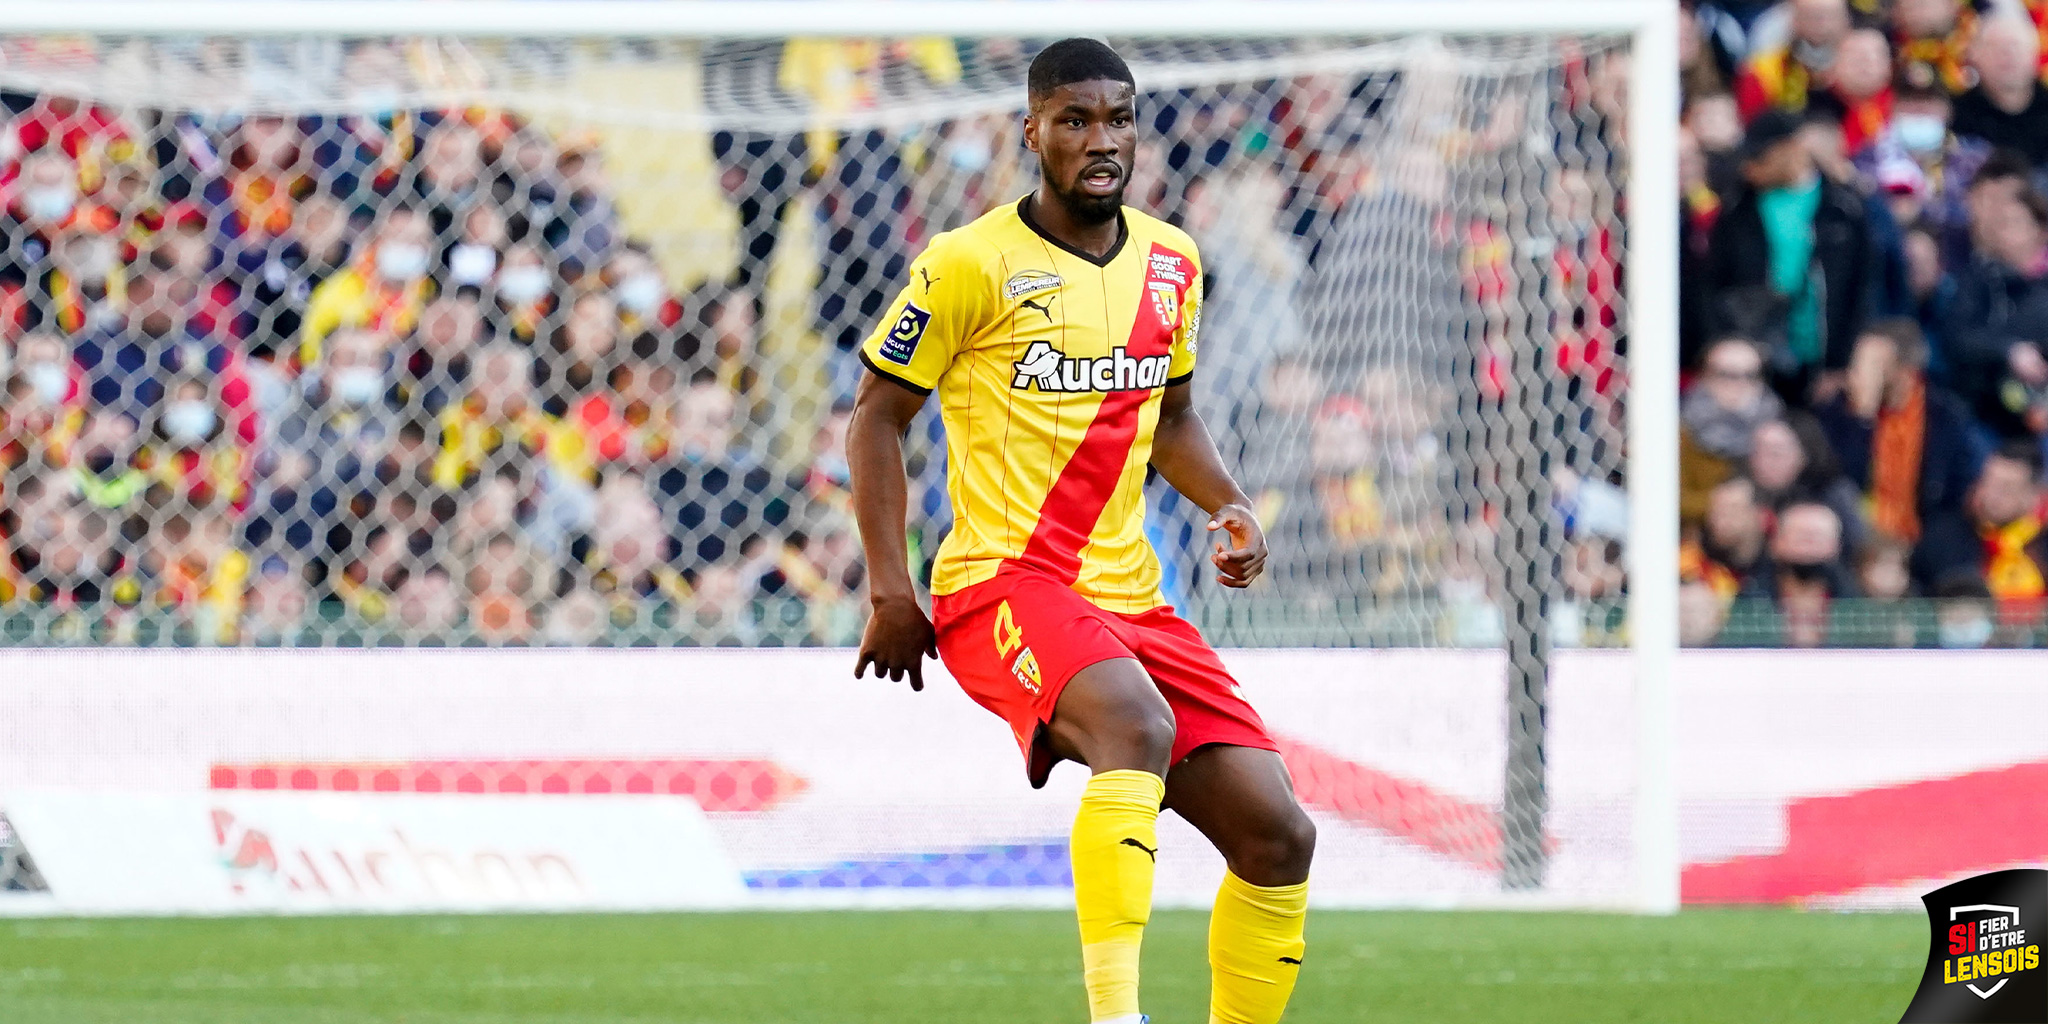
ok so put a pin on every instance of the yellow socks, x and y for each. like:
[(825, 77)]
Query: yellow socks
[(1255, 949), (1115, 841)]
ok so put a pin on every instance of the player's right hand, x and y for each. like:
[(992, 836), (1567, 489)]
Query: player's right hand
[(898, 639)]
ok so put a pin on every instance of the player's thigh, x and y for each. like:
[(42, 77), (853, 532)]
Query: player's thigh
[(1111, 716), (1242, 799)]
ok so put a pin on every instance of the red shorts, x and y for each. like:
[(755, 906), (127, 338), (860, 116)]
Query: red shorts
[(1015, 640)]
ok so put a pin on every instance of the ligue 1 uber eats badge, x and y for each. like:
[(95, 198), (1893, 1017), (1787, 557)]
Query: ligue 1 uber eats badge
[(1984, 963)]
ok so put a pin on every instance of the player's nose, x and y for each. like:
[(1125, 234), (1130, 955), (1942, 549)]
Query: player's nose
[(1101, 141)]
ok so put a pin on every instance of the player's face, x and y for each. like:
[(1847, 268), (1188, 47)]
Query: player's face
[(1085, 134)]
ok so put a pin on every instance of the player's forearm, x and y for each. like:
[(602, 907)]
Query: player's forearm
[(874, 452), (1186, 456)]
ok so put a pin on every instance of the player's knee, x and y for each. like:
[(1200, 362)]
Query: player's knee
[(1278, 854), (1151, 736), (1141, 735)]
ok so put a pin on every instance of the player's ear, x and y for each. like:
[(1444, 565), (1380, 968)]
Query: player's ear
[(1031, 131)]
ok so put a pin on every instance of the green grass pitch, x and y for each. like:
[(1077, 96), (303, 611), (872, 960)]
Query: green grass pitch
[(1748, 966)]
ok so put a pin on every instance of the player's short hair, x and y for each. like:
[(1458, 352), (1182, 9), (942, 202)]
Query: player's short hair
[(1078, 59)]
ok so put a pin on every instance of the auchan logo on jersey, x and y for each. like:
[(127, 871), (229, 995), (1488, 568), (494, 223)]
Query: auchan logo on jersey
[(1053, 370)]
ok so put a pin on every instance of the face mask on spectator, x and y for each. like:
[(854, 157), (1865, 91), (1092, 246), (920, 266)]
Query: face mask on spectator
[(268, 386), (402, 262), (189, 421), (523, 284), (49, 380), (1958, 633), (1919, 133), (1813, 56), (47, 203), (358, 385), (641, 293), (470, 263)]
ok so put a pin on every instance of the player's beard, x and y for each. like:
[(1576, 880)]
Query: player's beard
[(1090, 209)]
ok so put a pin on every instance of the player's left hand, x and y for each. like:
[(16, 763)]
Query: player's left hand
[(1242, 562)]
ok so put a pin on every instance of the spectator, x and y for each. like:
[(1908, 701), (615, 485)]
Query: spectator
[(1860, 97), (482, 234), (433, 363), (1790, 462), (1924, 168), (723, 337), (1932, 39), (1718, 415), (1807, 554), (713, 491), (644, 300), (580, 356), (196, 454), (1793, 259), (384, 290), (2004, 546), (42, 407), (104, 468), (1998, 319), (498, 420), (1702, 614), (502, 583), (1885, 573), (1963, 614), (628, 543), (193, 564), (323, 457), (428, 601), (1930, 292), (2008, 108), (277, 603), (1905, 443), (522, 295), (1706, 59), (1734, 539), (44, 201), (1784, 77)]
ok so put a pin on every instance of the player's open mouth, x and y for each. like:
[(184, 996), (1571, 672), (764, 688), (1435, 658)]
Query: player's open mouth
[(1102, 179)]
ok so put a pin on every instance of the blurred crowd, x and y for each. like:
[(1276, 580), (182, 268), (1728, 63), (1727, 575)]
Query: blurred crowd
[(1865, 315), (403, 371), (410, 374)]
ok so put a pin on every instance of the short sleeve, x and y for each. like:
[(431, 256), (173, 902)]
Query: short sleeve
[(936, 314), (1181, 366)]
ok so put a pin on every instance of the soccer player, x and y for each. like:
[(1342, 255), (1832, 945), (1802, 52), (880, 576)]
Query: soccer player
[(1059, 332)]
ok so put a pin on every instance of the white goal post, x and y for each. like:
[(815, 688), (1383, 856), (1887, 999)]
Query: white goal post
[(1651, 224)]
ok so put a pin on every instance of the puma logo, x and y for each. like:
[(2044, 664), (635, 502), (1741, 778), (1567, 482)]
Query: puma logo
[(1290, 960), (1043, 306), (929, 280), (1149, 852)]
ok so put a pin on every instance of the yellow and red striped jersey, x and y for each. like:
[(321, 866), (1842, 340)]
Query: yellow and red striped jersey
[(1049, 364)]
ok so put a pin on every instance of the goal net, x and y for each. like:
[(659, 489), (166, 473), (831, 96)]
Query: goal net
[(386, 341)]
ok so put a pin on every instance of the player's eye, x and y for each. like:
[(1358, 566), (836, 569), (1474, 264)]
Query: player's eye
[(1074, 122), (1119, 122)]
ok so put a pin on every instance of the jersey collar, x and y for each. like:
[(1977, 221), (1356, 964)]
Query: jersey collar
[(1123, 234)]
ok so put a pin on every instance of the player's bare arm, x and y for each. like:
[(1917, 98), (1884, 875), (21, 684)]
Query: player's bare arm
[(1185, 454), (899, 635)]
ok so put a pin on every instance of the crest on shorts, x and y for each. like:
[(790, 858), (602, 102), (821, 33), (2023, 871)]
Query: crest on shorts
[(1025, 668)]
